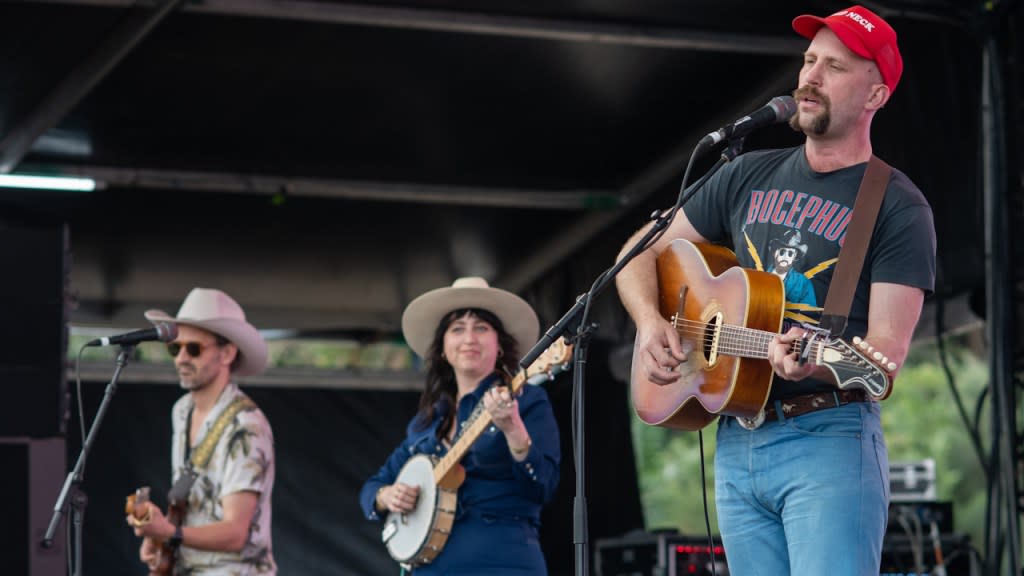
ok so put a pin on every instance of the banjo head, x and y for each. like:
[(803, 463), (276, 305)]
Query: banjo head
[(406, 534)]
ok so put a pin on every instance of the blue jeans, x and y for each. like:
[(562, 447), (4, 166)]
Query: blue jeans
[(804, 496)]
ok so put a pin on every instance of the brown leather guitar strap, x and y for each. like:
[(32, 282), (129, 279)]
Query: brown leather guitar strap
[(851, 255)]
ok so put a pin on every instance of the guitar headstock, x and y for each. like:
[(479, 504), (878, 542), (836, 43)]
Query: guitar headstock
[(137, 506), (555, 360), (858, 366)]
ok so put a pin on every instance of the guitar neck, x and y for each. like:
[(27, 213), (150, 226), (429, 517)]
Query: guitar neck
[(750, 343)]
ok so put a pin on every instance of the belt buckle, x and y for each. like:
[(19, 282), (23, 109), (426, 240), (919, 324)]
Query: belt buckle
[(752, 423)]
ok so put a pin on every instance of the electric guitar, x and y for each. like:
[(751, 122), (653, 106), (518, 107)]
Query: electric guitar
[(726, 316), (416, 538)]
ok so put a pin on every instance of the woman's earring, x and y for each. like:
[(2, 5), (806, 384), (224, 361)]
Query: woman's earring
[(500, 352)]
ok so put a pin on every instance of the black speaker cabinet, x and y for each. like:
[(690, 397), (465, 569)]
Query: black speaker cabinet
[(33, 473), (34, 342)]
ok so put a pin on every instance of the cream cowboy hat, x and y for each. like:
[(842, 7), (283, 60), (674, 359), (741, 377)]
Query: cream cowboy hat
[(422, 315), (215, 311)]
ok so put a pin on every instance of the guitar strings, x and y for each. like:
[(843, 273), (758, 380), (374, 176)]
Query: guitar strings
[(741, 341)]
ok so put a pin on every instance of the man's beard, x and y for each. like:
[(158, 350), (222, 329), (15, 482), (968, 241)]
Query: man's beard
[(190, 385), (819, 124), (193, 382)]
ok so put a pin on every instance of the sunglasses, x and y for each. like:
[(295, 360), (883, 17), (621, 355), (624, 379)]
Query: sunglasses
[(193, 349)]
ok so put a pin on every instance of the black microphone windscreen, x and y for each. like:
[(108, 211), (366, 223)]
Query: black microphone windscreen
[(784, 106), (166, 331)]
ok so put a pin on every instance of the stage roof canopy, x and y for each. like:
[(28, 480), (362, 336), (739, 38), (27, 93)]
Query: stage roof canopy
[(327, 161)]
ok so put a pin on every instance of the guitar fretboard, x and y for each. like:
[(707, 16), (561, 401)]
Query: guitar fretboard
[(733, 340)]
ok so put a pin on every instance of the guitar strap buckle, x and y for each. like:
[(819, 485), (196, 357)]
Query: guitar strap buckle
[(752, 423)]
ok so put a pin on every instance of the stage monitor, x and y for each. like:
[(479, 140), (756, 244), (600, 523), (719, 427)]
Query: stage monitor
[(33, 341)]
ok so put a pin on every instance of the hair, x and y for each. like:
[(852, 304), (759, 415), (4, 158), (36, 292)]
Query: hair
[(440, 375), (221, 342)]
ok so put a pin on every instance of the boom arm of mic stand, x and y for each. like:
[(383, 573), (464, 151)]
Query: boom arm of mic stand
[(661, 222)]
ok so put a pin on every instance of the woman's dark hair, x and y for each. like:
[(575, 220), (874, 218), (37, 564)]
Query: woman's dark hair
[(440, 375)]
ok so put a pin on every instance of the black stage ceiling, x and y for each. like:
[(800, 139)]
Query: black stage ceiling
[(325, 162)]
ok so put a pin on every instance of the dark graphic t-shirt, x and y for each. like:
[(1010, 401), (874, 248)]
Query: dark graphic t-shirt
[(778, 215)]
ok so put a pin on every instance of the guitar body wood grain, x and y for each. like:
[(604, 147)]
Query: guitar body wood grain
[(704, 287)]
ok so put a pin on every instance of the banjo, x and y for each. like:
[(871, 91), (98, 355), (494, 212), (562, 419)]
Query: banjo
[(416, 538)]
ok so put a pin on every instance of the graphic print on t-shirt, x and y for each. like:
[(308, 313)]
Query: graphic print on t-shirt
[(785, 232), (771, 195), (785, 253)]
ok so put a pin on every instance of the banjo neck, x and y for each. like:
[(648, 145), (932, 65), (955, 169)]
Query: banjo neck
[(553, 360), (443, 469)]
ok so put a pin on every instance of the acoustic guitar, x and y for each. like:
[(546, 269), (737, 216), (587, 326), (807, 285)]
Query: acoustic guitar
[(416, 538), (137, 506), (726, 316)]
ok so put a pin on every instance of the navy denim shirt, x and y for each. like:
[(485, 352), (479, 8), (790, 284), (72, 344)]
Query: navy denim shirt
[(496, 485)]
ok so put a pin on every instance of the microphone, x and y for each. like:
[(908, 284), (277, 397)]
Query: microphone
[(778, 109), (162, 331)]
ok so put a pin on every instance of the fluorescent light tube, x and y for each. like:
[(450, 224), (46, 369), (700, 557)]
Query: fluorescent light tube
[(47, 182)]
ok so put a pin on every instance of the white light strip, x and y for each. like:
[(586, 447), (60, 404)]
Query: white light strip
[(47, 182)]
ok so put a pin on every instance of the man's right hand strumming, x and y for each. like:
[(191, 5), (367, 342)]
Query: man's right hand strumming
[(658, 350), (657, 347)]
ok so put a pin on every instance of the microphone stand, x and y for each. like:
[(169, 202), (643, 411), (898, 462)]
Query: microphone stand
[(72, 485), (582, 341)]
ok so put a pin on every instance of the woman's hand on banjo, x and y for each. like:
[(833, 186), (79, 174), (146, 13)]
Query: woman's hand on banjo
[(398, 497), (504, 409)]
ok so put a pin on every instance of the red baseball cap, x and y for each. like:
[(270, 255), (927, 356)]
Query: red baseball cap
[(864, 33)]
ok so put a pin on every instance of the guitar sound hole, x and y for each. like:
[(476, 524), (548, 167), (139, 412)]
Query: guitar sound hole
[(708, 339)]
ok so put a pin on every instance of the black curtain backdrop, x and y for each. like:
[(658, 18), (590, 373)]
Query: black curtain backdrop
[(328, 442)]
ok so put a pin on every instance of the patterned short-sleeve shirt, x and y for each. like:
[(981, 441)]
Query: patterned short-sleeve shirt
[(243, 460)]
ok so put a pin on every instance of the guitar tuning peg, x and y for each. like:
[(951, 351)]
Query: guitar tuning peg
[(857, 340), (877, 356), (891, 366)]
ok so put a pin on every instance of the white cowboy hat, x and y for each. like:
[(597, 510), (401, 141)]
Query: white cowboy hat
[(422, 315), (215, 311)]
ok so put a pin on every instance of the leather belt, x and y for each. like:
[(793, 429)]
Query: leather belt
[(797, 405)]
